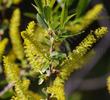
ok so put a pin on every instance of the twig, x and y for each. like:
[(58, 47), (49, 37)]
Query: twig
[(9, 86), (94, 84)]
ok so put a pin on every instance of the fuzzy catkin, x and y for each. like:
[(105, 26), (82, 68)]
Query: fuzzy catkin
[(86, 20), (16, 1), (3, 44), (15, 35), (33, 51)]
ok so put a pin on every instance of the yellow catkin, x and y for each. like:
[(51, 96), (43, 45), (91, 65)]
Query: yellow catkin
[(15, 35), (29, 35), (11, 55), (12, 73), (89, 41), (57, 89), (33, 51), (73, 62), (85, 21), (108, 84), (33, 31), (16, 1), (3, 44), (34, 96), (35, 60)]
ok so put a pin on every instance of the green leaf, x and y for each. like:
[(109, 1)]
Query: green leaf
[(69, 2), (6, 95), (67, 45), (47, 13), (46, 66), (63, 36), (36, 7), (68, 18), (39, 5), (52, 3), (41, 80), (64, 14), (0, 1), (55, 23), (58, 55), (30, 15), (81, 7), (41, 21)]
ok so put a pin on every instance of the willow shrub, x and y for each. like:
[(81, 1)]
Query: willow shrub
[(40, 56)]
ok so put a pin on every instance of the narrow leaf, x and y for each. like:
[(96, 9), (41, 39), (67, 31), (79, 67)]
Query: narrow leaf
[(64, 14), (68, 18), (41, 21), (39, 4), (52, 3), (81, 7), (30, 15), (47, 13)]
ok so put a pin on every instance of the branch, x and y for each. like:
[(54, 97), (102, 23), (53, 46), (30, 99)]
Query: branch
[(94, 84), (8, 87)]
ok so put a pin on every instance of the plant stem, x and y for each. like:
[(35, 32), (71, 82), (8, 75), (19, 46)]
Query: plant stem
[(51, 34), (7, 88)]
